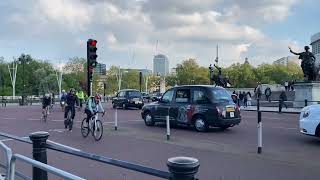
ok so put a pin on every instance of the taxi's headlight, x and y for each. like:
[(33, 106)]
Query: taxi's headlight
[(306, 114)]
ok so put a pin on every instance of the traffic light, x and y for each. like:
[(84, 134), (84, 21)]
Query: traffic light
[(92, 52), (90, 73)]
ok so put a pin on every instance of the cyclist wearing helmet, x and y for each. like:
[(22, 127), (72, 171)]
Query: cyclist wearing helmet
[(46, 100), (71, 101), (93, 105)]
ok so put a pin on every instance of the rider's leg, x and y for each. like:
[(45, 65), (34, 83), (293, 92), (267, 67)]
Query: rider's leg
[(87, 111), (73, 112), (66, 112)]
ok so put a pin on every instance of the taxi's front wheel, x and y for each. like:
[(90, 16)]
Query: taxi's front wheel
[(148, 119), (200, 124)]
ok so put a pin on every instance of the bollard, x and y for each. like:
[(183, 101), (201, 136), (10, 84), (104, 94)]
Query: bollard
[(305, 102), (116, 120), (168, 127), (183, 168), (39, 153), (259, 133), (258, 104)]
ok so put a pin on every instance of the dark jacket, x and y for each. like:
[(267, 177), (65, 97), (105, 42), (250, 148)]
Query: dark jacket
[(283, 96), (71, 100)]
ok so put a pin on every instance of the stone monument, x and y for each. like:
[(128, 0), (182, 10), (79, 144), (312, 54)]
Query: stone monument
[(309, 89)]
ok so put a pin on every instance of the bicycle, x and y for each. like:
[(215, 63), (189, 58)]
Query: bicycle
[(94, 126), (45, 114), (69, 121)]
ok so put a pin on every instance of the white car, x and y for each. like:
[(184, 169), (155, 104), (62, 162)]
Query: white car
[(310, 120)]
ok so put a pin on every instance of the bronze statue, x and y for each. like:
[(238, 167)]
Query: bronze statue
[(307, 64), (218, 80)]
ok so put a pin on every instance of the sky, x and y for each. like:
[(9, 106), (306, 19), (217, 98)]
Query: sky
[(131, 32)]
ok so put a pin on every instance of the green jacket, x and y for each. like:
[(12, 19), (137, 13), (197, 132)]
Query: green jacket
[(80, 95)]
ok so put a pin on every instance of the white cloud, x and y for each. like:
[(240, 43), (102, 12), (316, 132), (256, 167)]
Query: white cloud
[(183, 28)]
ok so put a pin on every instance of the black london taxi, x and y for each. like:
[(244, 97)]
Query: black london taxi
[(128, 98), (201, 106)]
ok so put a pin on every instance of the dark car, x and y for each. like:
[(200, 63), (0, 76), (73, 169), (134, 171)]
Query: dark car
[(198, 105), (128, 98), (145, 96), (156, 96)]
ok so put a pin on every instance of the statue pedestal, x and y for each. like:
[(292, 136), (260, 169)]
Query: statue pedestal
[(306, 90)]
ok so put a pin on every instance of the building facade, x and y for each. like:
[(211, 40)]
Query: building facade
[(160, 65), (286, 60), (315, 43), (100, 69)]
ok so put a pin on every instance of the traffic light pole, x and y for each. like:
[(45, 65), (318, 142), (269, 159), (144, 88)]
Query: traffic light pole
[(91, 63)]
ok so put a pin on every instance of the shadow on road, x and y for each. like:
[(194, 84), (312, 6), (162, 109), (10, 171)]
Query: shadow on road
[(191, 128)]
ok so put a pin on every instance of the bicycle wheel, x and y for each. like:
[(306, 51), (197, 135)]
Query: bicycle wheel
[(45, 116), (85, 128), (97, 130), (69, 121)]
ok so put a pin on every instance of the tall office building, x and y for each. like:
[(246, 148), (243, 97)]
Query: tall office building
[(160, 65), (100, 69), (315, 43)]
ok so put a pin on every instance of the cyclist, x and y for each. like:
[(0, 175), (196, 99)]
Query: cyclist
[(72, 101), (80, 95), (93, 105), (46, 100), (63, 96)]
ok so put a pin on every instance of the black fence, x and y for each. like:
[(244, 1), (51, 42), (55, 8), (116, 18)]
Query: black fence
[(179, 168)]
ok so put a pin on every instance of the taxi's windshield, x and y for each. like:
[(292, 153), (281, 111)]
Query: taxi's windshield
[(221, 95)]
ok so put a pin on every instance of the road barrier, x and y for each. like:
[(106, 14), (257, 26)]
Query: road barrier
[(259, 115), (116, 120), (179, 168), (168, 127)]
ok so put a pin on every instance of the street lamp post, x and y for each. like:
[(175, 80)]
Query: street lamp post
[(23, 59)]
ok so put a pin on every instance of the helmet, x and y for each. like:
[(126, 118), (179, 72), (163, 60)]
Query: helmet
[(97, 97), (63, 91), (72, 90)]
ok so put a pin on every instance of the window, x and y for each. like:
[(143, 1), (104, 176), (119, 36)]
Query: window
[(121, 94), (221, 95), (183, 96), (134, 94), (167, 97), (200, 97)]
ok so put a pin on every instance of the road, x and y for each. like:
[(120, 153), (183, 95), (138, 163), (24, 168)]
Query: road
[(223, 155)]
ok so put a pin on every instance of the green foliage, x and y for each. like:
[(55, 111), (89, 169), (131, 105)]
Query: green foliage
[(40, 77)]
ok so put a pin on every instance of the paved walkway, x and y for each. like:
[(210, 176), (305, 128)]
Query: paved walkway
[(276, 109)]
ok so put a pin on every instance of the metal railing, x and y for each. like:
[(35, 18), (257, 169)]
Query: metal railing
[(11, 172), (179, 168)]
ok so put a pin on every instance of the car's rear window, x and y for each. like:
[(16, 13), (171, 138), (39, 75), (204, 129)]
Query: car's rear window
[(134, 94), (221, 95)]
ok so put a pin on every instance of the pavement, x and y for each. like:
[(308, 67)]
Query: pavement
[(275, 109), (223, 155)]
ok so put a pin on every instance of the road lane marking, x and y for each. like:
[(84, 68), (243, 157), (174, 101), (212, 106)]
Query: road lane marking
[(285, 128), (62, 145), (9, 118), (264, 117), (33, 119), (112, 122)]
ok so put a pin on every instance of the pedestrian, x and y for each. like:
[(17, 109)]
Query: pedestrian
[(245, 99), (286, 85), (249, 98), (241, 98), (282, 99), (267, 93), (234, 97)]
